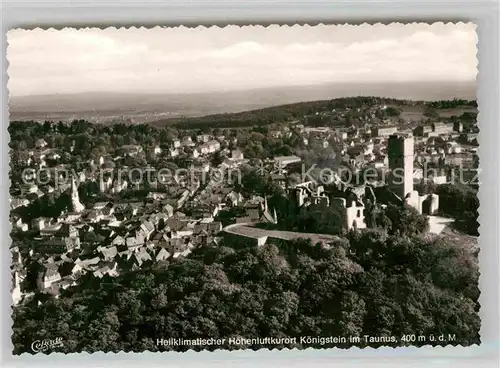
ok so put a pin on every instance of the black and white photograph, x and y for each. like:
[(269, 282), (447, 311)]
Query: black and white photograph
[(243, 187)]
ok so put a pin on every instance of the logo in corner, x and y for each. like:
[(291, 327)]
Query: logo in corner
[(43, 345)]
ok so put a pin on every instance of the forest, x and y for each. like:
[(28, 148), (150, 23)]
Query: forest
[(365, 283), (290, 112)]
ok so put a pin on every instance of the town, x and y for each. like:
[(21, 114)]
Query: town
[(96, 201)]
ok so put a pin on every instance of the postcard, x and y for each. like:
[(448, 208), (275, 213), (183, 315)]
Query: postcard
[(244, 187)]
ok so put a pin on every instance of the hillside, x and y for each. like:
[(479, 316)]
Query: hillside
[(139, 107), (409, 110)]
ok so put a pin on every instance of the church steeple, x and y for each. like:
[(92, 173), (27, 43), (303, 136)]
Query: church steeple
[(76, 205)]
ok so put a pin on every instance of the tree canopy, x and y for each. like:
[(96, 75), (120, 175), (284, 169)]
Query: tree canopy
[(369, 283)]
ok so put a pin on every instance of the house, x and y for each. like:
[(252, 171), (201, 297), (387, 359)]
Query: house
[(95, 216), (100, 205), (118, 240), (20, 225), (209, 147), (187, 141), (87, 263), (119, 185), (162, 255), (70, 268), (66, 282), (131, 150), (28, 188), (106, 268), (156, 196), (173, 152), (178, 248), (17, 260), (49, 275), (147, 228), (214, 227), (245, 220), (176, 143), (279, 179), (69, 217), (17, 294), (105, 184), (72, 242), (234, 199), (203, 138), (134, 241), (422, 130), (384, 131), (50, 230), (442, 128), (39, 158), (237, 154), (282, 161), (53, 155), (108, 253), (195, 153), (141, 256), (18, 202), (40, 143), (135, 208)]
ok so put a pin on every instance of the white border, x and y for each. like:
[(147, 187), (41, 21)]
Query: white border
[(484, 13)]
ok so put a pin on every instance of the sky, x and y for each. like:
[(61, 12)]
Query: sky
[(190, 60)]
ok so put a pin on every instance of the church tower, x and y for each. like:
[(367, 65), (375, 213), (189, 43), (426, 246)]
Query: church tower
[(401, 157), (76, 205)]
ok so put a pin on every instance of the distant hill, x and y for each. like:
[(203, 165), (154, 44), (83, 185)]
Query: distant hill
[(139, 108), (408, 109)]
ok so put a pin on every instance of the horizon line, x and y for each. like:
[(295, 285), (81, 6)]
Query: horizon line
[(183, 93)]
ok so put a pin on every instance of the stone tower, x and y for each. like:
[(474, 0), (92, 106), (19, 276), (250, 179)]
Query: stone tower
[(400, 153), (76, 205)]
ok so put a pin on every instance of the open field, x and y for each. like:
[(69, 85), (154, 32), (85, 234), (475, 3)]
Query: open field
[(416, 113), (446, 113)]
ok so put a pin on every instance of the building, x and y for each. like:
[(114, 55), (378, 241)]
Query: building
[(131, 150), (423, 130), (203, 138), (236, 155), (28, 188), (40, 143), (384, 131), (17, 294), (401, 157), (39, 223), (76, 205), (48, 276), (353, 215), (187, 141), (341, 135), (309, 193), (282, 161), (458, 127), (209, 147), (268, 216), (442, 128)]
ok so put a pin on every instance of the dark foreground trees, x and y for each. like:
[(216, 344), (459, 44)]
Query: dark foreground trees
[(369, 283), (462, 204)]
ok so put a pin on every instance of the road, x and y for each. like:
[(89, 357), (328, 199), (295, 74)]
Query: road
[(250, 231), (437, 224)]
